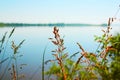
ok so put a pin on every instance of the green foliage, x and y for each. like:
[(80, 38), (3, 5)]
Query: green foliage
[(115, 56), (54, 69)]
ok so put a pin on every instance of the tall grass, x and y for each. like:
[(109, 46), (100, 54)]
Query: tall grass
[(11, 59), (43, 61), (4, 44), (3, 47)]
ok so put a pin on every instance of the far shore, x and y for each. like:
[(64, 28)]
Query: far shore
[(50, 24)]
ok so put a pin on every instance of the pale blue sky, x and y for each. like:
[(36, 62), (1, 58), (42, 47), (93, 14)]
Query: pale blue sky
[(50, 11)]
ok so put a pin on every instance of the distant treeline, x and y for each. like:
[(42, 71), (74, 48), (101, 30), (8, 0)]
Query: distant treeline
[(2, 24), (50, 24)]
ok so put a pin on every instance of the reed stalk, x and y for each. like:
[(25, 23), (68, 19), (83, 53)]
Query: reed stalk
[(43, 59)]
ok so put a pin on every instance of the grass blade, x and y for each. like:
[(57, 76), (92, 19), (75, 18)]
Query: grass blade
[(4, 60), (43, 63), (11, 32), (3, 39)]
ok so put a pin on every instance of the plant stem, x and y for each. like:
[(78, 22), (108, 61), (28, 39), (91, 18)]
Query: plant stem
[(43, 63), (14, 73), (97, 48), (16, 69), (4, 73), (4, 52)]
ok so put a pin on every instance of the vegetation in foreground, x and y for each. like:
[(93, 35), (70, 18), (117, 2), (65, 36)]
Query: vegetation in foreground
[(102, 64)]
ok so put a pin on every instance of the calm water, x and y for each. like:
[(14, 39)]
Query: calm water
[(36, 39)]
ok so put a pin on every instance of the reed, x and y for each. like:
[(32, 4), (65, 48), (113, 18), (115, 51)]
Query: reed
[(4, 44), (15, 51), (43, 60), (11, 59)]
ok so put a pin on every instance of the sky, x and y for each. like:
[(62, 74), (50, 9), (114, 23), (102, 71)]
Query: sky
[(58, 11)]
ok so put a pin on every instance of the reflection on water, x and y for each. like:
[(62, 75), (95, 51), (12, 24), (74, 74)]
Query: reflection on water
[(36, 38)]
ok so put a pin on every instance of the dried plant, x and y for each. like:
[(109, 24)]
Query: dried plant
[(59, 42), (14, 75)]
